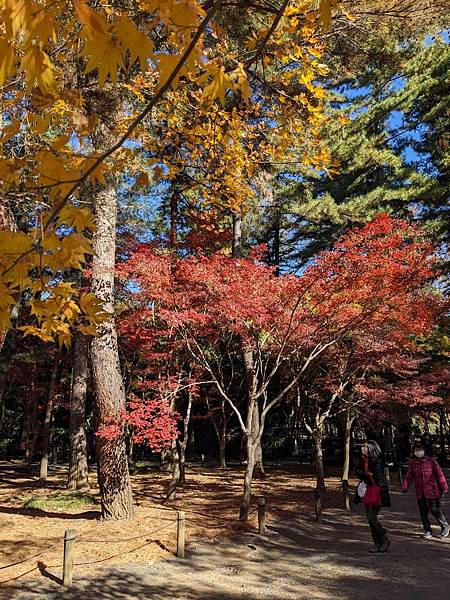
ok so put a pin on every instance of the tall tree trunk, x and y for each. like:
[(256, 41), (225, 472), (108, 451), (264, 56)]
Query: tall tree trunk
[(43, 473), (237, 236), (30, 435), (7, 223), (258, 471), (130, 452), (113, 475), (166, 459), (317, 438), (184, 442), (346, 422), (252, 426), (78, 463), (223, 446), (276, 246), (174, 196), (248, 477), (6, 354), (220, 427), (176, 472)]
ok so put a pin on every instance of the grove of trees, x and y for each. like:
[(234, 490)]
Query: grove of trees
[(220, 216)]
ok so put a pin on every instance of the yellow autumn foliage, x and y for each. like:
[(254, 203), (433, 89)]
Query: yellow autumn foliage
[(210, 121)]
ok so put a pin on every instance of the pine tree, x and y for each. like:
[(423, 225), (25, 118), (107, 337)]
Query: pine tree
[(389, 138)]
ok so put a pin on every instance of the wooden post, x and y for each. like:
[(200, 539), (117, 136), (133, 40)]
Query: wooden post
[(318, 505), (181, 521), (69, 547), (386, 473), (262, 516)]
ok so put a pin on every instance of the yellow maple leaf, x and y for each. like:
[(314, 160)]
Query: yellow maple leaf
[(38, 67), (72, 255), (218, 86), (241, 81), (104, 55), (73, 216), (93, 308), (7, 60), (166, 64), (10, 131), (135, 41), (39, 125), (32, 330), (94, 22)]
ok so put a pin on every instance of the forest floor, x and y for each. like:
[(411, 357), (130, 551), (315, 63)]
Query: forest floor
[(298, 559)]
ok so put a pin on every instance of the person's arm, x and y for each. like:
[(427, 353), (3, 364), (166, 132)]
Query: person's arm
[(408, 478), (440, 477)]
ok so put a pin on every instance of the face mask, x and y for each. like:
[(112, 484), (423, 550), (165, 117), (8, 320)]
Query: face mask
[(419, 453)]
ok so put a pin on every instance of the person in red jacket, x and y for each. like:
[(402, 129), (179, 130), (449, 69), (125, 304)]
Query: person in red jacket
[(430, 484)]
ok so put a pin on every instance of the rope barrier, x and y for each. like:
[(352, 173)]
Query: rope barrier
[(19, 576), (135, 537), (225, 527), (30, 557), (94, 562), (229, 525)]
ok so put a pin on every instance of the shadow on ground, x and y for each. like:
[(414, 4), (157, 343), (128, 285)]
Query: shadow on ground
[(298, 559)]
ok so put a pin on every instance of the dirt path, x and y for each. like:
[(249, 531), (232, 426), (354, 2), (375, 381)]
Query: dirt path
[(298, 560)]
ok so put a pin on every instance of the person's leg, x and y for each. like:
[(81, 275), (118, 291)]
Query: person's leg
[(379, 533), (423, 509), (373, 530), (435, 509)]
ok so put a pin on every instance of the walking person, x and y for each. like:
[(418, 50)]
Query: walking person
[(431, 484), (371, 472)]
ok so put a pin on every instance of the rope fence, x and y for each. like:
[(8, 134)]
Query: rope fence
[(73, 537)]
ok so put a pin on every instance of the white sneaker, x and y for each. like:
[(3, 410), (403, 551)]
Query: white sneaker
[(445, 531), (428, 535)]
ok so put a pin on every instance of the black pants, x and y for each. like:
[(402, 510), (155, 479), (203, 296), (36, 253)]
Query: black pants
[(379, 533), (426, 505)]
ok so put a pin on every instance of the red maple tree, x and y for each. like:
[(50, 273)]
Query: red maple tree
[(257, 336)]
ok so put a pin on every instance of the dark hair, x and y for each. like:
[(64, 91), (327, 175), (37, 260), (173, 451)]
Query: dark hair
[(373, 449), (427, 445)]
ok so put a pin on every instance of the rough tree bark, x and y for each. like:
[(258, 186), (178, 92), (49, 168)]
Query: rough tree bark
[(78, 464), (43, 472), (113, 475)]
